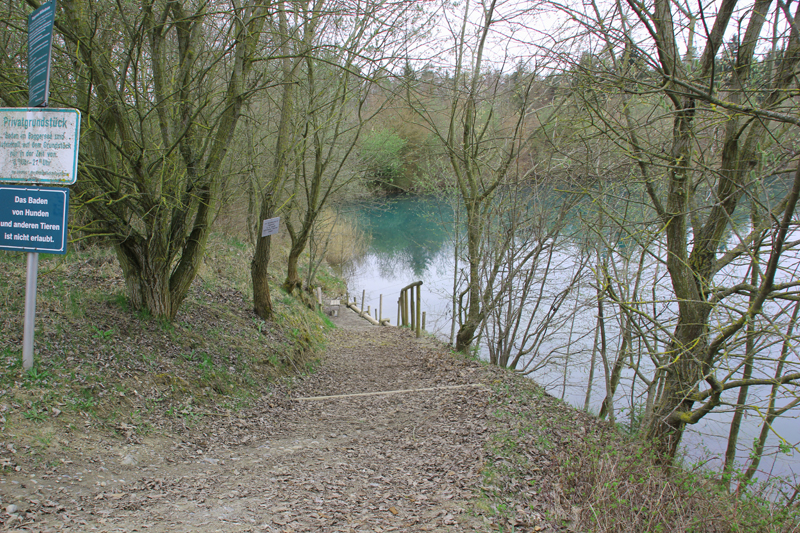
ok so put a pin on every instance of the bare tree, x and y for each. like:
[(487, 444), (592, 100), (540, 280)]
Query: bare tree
[(334, 51), (703, 136), (278, 172), (540, 268), (482, 136)]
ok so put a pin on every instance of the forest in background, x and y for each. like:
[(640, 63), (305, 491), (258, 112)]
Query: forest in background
[(669, 120)]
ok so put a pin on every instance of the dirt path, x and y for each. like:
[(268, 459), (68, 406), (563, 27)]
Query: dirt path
[(398, 448)]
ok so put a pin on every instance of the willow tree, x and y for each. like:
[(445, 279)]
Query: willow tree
[(703, 134), (330, 118), (160, 85)]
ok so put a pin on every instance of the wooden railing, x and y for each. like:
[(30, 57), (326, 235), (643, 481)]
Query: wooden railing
[(409, 309)]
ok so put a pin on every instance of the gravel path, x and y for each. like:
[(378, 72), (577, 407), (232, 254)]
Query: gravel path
[(399, 447)]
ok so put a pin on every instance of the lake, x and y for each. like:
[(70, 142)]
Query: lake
[(412, 238)]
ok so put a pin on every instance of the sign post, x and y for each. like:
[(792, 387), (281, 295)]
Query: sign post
[(39, 146), (29, 322), (33, 220)]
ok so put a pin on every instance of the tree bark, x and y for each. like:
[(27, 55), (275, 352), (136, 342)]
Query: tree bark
[(259, 266), (475, 310)]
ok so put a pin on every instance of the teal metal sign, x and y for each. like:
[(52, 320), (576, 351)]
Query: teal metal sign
[(34, 219), (40, 44)]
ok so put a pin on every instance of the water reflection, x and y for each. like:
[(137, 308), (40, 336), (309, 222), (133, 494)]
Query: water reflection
[(406, 233)]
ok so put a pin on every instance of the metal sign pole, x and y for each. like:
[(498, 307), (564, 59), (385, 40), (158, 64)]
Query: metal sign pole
[(40, 42), (30, 310)]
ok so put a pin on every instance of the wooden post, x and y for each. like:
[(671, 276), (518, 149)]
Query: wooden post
[(363, 294), (423, 321), (413, 311), (398, 310), (406, 318), (419, 310), (380, 308)]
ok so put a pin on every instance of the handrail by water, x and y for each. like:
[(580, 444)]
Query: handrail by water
[(409, 309), (410, 315)]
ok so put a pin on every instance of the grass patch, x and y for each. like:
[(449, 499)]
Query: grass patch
[(551, 466), (619, 488), (101, 366)]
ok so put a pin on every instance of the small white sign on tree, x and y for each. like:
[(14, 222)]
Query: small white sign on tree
[(270, 226)]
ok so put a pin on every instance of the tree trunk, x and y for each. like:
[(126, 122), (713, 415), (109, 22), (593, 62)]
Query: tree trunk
[(146, 281), (475, 312), (259, 267), (259, 274), (747, 372), (293, 281), (607, 407), (680, 382), (299, 242), (465, 335), (690, 355), (592, 363)]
